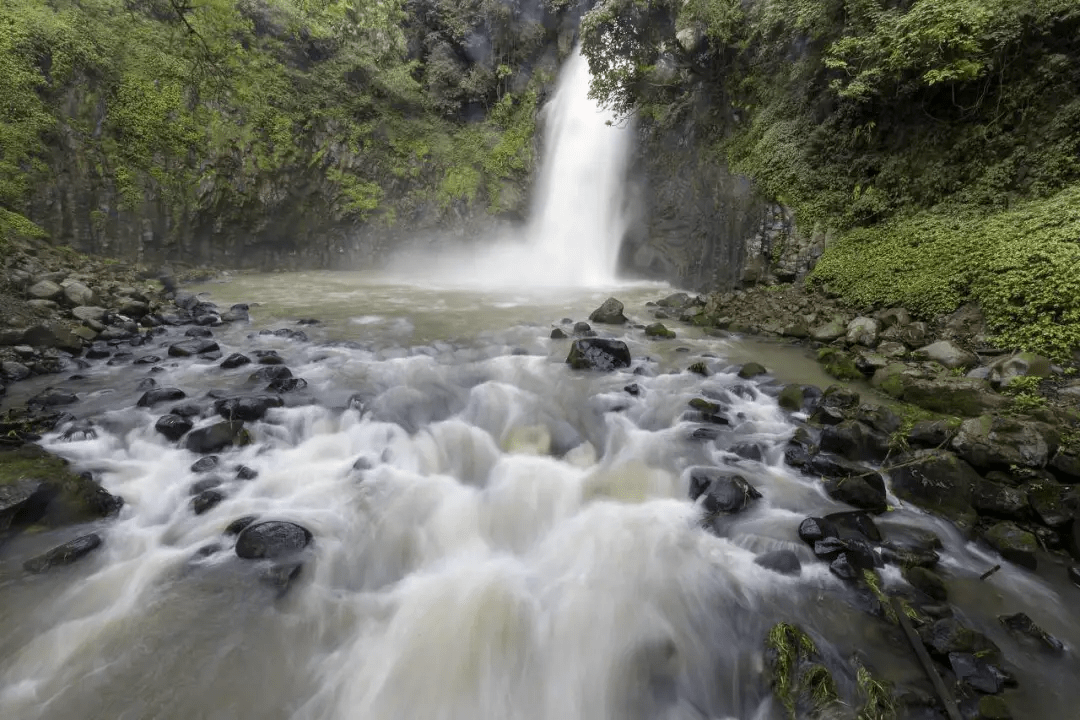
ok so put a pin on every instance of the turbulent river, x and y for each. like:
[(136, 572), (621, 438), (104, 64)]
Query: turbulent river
[(495, 536)]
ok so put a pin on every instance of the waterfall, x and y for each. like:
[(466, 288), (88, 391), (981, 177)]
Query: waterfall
[(579, 216)]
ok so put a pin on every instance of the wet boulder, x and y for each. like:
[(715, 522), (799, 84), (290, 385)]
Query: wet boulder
[(854, 523), (269, 357), (722, 492), (977, 672), (270, 373), (53, 398), (234, 361), (205, 464), (855, 441), (930, 433), (1014, 544), (286, 385), (598, 354), (1046, 499), (236, 313), (64, 554), (751, 370), (926, 581), (238, 525), (197, 346), (160, 395), (813, 529), (173, 427), (217, 437), (865, 491), (272, 539), (14, 371), (206, 501), (659, 331), (1022, 626), (53, 335), (558, 334), (997, 500), (784, 562), (248, 408), (993, 441), (610, 313), (936, 480)]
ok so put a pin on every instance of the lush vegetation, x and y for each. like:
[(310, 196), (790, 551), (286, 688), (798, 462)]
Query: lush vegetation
[(221, 108), (925, 131)]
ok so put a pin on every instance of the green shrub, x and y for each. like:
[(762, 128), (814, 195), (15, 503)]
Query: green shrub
[(1021, 265)]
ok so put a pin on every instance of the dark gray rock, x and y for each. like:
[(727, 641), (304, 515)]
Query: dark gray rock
[(188, 348), (855, 441), (854, 523), (234, 361), (245, 473), (64, 554), (785, 562), (930, 434), (722, 492), (927, 581), (199, 332), (272, 539), (977, 672), (14, 371), (558, 334), (248, 408), (173, 427), (610, 313), (237, 525), (269, 357), (23, 497), (813, 529), (208, 483), (217, 437), (205, 464), (1014, 544), (1046, 499), (1002, 501), (1024, 627), (751, 370), (936, 480), (598, 354), (53, 398), (285, 385), (992, 441), (866, 491), (206, 501), (270, 373), (160, 395)]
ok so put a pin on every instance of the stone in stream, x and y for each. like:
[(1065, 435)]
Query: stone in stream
[(660, 331), (53, 398), (996, 500), (610, 313), (186, 410), (64, 554), (199, 332), (633, 389), (936, 480), (784, 562), (751, 370), (208, 483), (1023, 626), (25, 497), (237, 313), (14, 371), (284, 385), (855, 441), (235, 360), (854, 523), (558, 334), (205, 464), (977, 672), (927, 581), (97, 351), (147, 383), (269, 357), (813, 529), (583, 329), (248, 408), (237, 525), (147, 360), (723, 492), (272, 539), (206, 501), (598, 354), (188, 348), (243, 472), (160, 395), (270, 373), (217, 437), (173, 427), (1014, 544)]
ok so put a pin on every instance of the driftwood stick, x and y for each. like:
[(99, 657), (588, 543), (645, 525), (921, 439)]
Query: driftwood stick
[(928, 665), (989, 572)]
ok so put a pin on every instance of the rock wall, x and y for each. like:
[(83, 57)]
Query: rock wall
[(703, 227)]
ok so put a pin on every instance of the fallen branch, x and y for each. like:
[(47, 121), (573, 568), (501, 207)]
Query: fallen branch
[(927, 664), (989, 572)]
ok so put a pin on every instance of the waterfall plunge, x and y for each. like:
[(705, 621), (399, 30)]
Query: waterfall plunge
[(579, 214)]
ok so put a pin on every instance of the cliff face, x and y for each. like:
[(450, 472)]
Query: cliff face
[(702, 226)]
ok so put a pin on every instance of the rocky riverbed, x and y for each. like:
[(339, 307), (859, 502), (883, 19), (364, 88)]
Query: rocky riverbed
[(824, 487)]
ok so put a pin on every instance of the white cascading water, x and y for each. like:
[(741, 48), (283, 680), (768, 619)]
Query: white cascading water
[(578, 216)]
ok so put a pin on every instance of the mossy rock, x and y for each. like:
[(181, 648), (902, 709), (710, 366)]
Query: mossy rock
[(799, 680), (60, 497), (966, 397), (839, 364), (659, 331), (703, 405), (752, 370), (938, 481), (1014, 544)]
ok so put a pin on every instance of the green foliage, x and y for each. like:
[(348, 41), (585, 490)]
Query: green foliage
[(203, 104), (1021, 265), (797, 676), (849, 111)]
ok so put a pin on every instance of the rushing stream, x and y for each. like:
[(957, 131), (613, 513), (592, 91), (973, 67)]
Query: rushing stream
[(496, 536)]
